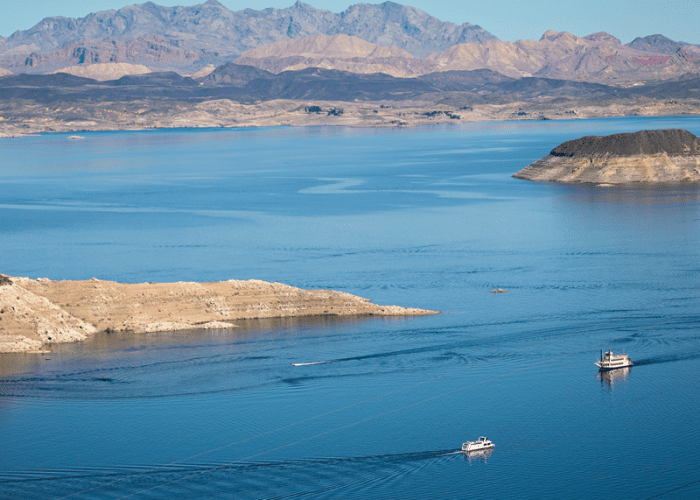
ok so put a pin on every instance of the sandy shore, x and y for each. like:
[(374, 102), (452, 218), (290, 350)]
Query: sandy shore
[(37, 313)]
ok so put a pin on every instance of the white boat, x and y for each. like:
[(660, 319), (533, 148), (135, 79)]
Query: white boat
[(611, 361), (480, 444)]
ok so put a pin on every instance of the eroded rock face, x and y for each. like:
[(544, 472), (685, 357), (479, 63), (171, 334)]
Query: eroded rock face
[(649, 156)]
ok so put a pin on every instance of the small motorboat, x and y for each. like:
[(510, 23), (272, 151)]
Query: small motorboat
[(611, 361), (480, 444)]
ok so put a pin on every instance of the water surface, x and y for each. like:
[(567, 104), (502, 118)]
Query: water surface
[(426, 217)]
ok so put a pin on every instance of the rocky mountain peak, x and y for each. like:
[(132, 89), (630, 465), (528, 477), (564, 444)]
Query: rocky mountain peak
[(393, 7), (300, 6), (559, 36), (405, 27), (550, 35), (602, 37), (656, 43)]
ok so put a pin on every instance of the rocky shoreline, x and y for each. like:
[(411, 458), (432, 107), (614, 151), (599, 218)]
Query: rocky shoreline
[(647, 156), (37, 313)]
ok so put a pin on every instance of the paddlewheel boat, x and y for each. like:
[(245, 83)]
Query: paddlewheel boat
[(480, 444), (611, 361)]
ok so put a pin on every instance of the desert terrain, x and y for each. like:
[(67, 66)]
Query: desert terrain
[(224, 113), (37, 313)]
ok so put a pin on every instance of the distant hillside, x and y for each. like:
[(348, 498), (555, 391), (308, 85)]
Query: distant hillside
[(104, 72), (235, 75), (341, 52), (660, 44), (193, 37), (247, 84), (599, 57)]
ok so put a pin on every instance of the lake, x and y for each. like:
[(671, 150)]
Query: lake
[(426, 217)]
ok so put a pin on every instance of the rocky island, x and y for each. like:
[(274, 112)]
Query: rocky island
[(649, 156), (36, 313)]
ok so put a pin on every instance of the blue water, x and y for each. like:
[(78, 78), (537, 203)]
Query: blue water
[(425, 217)]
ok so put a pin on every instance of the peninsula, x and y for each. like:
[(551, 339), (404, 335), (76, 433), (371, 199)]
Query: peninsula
[(647, 156), (36, 313)]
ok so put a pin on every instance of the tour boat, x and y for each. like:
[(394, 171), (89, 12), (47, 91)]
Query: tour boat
[(480, 444), (611, 361)]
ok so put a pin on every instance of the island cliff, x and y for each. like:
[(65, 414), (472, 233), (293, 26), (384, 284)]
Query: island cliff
[(649, 156), (37, 313)]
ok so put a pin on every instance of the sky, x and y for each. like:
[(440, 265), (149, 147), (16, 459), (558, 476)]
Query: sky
[(509, 20)]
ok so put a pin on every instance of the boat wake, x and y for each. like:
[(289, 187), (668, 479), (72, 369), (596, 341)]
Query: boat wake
[(317, 362), (21, 476), (238, 479), (671, 358), (390, 354)]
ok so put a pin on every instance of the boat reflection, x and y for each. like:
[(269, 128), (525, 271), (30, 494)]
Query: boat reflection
[(478, 455), (611, 376)]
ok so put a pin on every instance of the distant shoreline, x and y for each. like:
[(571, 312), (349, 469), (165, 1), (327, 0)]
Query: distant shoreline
[(23, 121)]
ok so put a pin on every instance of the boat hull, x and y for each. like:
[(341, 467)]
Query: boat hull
[(480, 444), (604, 368), (469, 449)]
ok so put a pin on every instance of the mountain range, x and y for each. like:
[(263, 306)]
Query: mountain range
[(386, 38), (191, 37), (599, 57)]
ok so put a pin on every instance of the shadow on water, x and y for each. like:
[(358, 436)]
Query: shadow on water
[(104, 346), (634, 194)]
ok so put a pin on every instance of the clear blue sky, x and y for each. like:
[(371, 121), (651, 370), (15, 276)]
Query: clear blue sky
[(509, 20)]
